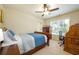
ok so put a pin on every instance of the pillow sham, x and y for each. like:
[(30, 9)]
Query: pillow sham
[(12, 32), (6, 38), (8, 34)]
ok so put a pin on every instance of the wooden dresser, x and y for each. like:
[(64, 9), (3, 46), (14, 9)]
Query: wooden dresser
[(46, 29), (71, 43)]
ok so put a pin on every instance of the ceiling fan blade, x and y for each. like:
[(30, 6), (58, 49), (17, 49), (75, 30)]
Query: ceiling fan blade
[(53, 9)]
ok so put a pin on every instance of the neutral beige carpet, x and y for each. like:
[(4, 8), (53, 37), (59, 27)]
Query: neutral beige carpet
[(53, 49)]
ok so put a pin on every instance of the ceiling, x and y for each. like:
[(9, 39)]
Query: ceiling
[(31, 8)]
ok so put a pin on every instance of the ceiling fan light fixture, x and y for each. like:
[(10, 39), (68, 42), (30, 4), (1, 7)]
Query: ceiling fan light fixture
[(47, 10), (46, 13)]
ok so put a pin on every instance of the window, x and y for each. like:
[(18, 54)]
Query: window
[(60, 25)]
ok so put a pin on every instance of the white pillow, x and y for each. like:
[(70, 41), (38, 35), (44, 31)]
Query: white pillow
[(10, 35), (6, 38)]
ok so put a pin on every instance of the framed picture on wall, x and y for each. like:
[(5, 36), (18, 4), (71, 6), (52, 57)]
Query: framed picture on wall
[(1, 16)]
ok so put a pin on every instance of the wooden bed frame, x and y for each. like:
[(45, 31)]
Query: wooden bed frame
[(34, 50), (39, 47), (14, 50)]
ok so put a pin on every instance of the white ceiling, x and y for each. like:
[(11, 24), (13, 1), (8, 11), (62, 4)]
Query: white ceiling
[(31, 8)]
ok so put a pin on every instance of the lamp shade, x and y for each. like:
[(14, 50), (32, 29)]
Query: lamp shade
[(1, 35)]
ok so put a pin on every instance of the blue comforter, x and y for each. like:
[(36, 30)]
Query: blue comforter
[(39, 39)]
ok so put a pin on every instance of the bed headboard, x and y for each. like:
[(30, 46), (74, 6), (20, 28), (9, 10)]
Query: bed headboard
[(41, 32)]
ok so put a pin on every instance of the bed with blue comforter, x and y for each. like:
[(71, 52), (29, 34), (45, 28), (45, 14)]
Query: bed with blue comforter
[(39, 39), (26, 42)]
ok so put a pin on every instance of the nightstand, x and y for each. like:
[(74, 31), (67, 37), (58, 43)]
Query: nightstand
[(10, 49)]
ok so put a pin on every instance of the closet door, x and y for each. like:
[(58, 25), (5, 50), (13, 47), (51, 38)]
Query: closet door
[(47, 30)]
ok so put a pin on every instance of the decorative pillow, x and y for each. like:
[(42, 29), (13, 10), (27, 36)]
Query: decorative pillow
[(6, 38), (10, 35), (12, 32)]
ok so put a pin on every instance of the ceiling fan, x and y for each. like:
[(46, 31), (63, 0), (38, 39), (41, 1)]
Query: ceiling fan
[(46, 8)]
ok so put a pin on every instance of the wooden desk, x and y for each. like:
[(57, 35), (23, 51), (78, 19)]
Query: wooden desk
[(71, 43)]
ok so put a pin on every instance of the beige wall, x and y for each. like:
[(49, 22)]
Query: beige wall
[(22, 22), (73, 16), (1, 6)]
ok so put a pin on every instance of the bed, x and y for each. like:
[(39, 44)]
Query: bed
[(27, 43)]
